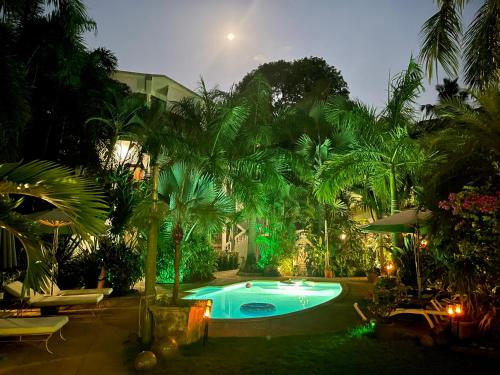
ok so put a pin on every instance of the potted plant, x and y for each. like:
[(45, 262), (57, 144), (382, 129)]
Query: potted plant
[(194, 203)]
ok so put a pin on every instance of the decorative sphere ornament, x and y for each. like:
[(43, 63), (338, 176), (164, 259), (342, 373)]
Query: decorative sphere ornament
[(145, 361), (165, 347)]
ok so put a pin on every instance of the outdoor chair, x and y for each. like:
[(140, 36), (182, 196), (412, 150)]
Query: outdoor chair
[(32, 329), (50, 285), (428, 314), (33, 299)]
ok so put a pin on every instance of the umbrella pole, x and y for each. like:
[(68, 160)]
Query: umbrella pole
[(55, 240), (416, 243)]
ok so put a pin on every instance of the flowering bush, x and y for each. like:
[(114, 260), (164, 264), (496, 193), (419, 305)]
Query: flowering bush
[(472, 251), (475, 210)]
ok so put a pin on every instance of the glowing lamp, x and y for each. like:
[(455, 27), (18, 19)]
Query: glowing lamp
[(389, 267), (343, 236), (450, 310), (208, 309), (458, 309)]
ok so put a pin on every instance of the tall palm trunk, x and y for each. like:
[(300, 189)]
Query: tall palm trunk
[(252, 240), (150, 274), (178, 234), (394, 200)]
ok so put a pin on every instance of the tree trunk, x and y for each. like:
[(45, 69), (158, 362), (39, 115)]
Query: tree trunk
[(252, 241), (150, 274), (394, 200), (178, 234)]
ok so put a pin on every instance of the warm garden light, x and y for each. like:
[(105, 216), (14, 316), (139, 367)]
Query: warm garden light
[(343, 236), (208, 309), (389, 267), (230, 36), (450, 310), (458, 309), (207, 312)]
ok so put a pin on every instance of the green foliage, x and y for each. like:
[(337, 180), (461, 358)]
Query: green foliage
[(387, 294), (198, 262), (479, 48), (57, 82), (367, 329), (47, 182), (315, 261), (123, 265), (304, 80), (274, 242), (227, 260)]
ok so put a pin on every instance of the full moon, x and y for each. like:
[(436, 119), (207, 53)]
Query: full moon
[(230, 36)]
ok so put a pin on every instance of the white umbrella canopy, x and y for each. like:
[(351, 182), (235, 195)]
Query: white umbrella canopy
[(407, 221), (55, 218), (402, 222)]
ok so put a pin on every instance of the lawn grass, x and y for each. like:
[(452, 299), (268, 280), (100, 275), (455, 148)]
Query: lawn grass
[(328, 354)]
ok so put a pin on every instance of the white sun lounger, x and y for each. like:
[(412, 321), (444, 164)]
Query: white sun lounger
[(71, 292), (36, 329), (424, 312), (40, 300)]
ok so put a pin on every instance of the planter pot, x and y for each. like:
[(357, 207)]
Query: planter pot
[(466, 329), (463, 329), (371, 276), (186, 324)]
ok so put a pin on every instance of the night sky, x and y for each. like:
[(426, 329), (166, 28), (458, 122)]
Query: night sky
[(367, 40)]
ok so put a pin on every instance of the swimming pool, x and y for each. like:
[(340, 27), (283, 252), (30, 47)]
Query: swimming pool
[(257, 299)]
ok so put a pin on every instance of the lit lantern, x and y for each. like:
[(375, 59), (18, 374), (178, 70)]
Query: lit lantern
[(450, 310), (343, 236), (458, 309), (208, 309)]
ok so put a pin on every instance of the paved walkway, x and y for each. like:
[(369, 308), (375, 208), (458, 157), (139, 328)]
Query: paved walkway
[(95, 344)]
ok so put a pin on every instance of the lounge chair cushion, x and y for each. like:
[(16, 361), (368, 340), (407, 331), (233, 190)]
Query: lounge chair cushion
[(47, 301), (72, 292), (16, 289), (31, 326), (39, 300)]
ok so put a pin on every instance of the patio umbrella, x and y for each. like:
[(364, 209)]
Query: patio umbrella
[(407, 221), (55, 218)]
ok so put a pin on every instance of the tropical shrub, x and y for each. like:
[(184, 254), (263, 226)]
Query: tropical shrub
[(198, 262), (123, 265), (227, 260), (465, 240), (274, 241)]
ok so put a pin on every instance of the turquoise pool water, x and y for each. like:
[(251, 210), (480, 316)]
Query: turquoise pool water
[(265, 298)]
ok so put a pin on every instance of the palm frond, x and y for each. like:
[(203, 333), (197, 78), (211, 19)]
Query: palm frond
[(482, 47), (77, 197), (441, 35)]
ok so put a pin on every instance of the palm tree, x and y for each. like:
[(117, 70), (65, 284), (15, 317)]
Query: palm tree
[(193, 201), (229, 138), (381, 153), (121, 117), (77, 197), (153, 132), (442, 42), (470, 141)]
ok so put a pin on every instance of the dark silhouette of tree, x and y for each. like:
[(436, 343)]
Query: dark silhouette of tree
[(298, 82)]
